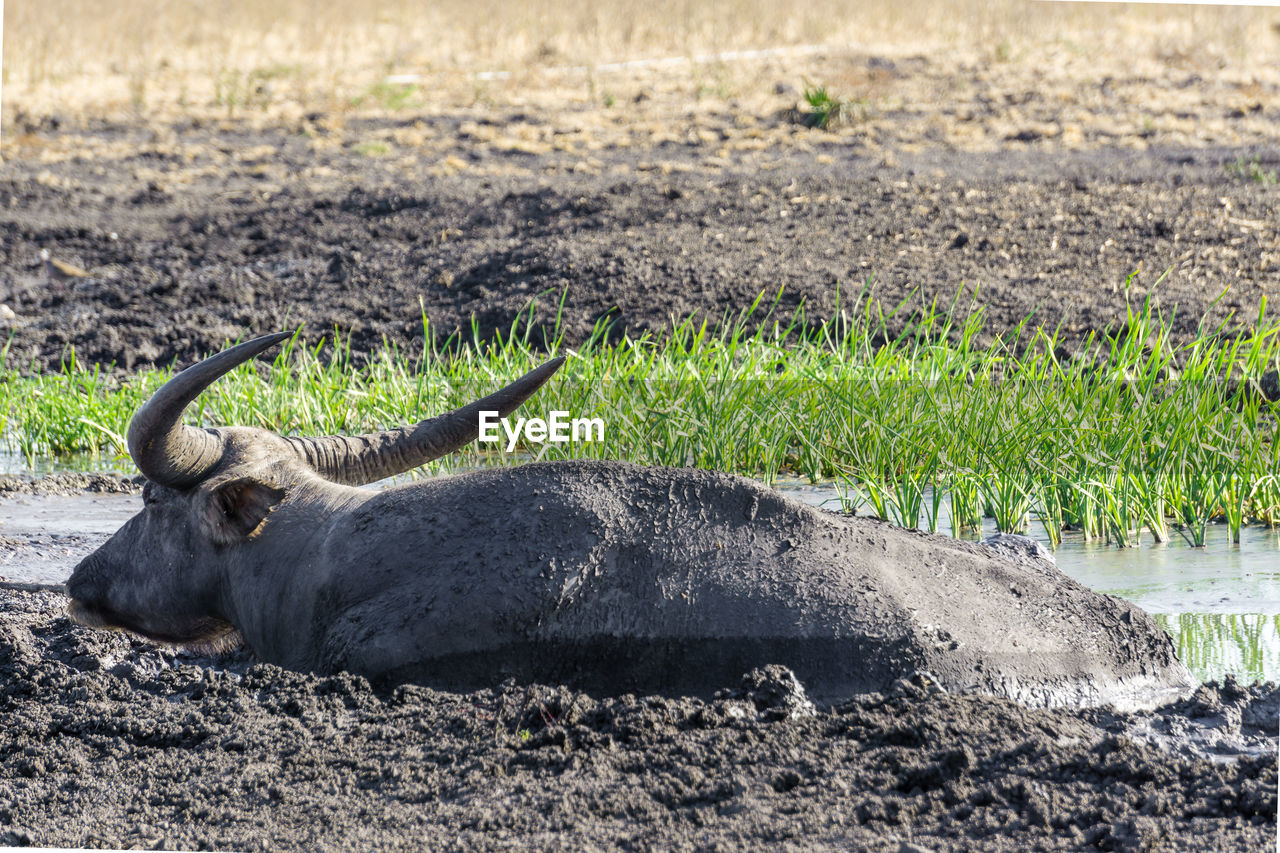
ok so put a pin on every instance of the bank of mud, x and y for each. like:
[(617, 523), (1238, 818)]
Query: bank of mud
[(218, 246), (109, 741)]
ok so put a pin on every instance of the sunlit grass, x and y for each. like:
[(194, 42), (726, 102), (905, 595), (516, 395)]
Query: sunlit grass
[(1130, 435), (826, 111)]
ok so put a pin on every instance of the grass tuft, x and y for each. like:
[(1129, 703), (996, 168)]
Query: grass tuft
[(1251, 169), (827, 112)]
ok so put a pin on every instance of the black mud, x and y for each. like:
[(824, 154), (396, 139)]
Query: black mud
[(213, 248), (67, 483), (108, 741)]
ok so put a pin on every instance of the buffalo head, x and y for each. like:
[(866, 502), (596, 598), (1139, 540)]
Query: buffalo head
[(212, 492)]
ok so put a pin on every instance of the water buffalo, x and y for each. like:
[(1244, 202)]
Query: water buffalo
[(609, 576)]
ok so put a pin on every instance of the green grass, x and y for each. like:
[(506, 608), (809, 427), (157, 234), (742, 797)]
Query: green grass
[(1133, 435), (828, 112), (390, 96), (1251, 169), (372, 149)]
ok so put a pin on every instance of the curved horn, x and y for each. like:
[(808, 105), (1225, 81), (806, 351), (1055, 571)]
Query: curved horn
[(167, 451), (359, 459)]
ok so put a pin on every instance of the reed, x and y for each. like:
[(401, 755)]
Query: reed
[(1137, 432)]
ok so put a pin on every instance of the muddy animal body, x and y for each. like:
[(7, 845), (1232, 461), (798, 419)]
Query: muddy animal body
[(609, 576)]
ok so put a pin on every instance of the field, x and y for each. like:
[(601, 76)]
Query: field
[(1014, 259), (155, 58)]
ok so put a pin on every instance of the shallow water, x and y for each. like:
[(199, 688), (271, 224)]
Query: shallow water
[(15, 463)]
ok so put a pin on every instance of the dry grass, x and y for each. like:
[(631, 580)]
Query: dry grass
[(150, 57)]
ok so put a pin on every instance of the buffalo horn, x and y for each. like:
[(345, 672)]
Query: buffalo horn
[(359, 459), (166, 450)]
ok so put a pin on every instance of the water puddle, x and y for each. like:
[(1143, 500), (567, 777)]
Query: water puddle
[(43, 537), (1172, 576), (1220, 603), (1212, 645), (99, 515)]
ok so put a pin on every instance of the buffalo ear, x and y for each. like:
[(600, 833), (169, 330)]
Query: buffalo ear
[(237, 509)]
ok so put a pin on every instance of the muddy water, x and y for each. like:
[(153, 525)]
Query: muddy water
[(43, 537), (1220, 602)]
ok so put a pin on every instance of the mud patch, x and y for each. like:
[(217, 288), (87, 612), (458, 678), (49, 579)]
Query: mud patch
[(1055, 233), (69, 483), (109, 741)]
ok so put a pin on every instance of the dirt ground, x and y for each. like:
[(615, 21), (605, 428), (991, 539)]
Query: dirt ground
[(1040, 194), (109, 742)]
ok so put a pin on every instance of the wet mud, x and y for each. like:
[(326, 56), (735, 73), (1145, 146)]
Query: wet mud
[(109, 741)]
